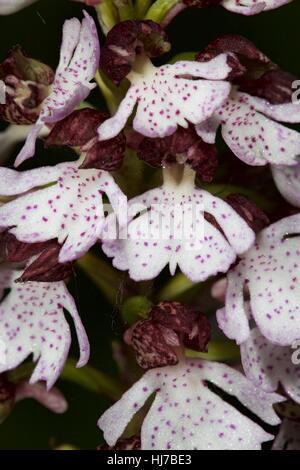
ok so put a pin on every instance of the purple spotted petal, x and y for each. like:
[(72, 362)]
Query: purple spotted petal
[(7, 7), (252, 7), (271, 271), (171, 96), (70, 210), (79, 59), (32, 321), (186, 415), (252, 136), (268, 365), (193, 243), (287, 180), (288, 437)]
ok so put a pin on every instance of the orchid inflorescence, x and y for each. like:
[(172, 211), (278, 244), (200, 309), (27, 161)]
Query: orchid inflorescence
[(161, 120)]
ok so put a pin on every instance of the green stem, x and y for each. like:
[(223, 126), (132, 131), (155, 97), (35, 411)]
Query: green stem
[(160, 9)]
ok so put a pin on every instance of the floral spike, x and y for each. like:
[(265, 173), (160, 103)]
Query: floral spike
[(79, 59), (187, 415), (70, 210), (287, 180), (200, 246), (268, 365), (32, 322), (270, 271)]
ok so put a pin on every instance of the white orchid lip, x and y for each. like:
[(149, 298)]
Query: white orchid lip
[(32, 321), (172, 230), (68, 208), (170, 96), (185, 414)]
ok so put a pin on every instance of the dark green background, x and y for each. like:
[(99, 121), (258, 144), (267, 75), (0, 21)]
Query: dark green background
[(38, 30)]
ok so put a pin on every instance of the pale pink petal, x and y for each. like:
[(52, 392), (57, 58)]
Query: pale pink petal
[(78, 64), (268, 365), (32, 322), (186, 415), (288, 437), (287, 180)]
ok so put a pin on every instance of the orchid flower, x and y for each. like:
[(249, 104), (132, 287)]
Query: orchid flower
[(166, 97), (287, 180), (270, 272), (250, 129), (187, 415), (79, 59), (170, 96), (32, 321), (68, 206), (175, 230)]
